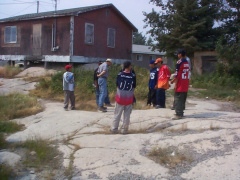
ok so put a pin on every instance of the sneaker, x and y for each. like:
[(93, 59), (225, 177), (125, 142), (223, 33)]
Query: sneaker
[(102, 109), (123, 131), (113, 131), (109, 105), (158, 106), (172, 108), (73, 108), (176, 117), (105, 107)]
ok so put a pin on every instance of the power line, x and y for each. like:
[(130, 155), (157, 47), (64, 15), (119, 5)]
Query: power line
[(23, 9), (17, 3)]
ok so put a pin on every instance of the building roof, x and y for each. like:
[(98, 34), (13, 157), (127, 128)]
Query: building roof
[(65, 12), (142, 49)]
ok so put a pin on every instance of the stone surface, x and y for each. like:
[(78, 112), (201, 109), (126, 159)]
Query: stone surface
[(9, 158)]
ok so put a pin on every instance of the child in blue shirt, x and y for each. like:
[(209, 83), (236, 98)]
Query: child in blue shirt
[(152, 84)]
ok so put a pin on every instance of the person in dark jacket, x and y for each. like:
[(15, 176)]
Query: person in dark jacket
[(152, 85), (126, 83)]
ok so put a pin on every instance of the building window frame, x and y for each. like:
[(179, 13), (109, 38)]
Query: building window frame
[(10, 34), (89, 33), (111, 37), (139, 57)]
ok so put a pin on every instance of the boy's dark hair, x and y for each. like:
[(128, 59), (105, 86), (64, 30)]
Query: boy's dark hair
[(182, 52), (126, 64)]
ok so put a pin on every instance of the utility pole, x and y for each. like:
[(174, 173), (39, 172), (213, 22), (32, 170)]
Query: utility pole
[(55, 5), (37, 6)]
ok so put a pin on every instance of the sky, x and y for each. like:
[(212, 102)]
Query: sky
[(131, 9)]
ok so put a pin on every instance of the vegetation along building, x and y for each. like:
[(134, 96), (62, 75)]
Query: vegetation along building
[(79, 35)]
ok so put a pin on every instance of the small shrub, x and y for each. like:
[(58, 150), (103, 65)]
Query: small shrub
[(9, 72)]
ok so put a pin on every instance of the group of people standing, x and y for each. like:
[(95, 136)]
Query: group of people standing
[(159, 83), (126, 83)]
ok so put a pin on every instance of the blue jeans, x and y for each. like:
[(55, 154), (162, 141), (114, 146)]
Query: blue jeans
[(161, 98), (106, 101), (102, 83)]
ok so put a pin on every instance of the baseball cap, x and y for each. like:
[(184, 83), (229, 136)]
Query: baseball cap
[(68, 66), (181, 51), (158, 60), (151, 62), (109, 60)]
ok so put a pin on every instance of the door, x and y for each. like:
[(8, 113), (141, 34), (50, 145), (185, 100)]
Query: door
[(37, 39)]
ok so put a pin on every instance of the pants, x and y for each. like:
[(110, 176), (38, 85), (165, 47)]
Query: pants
[(69, 95), (102, 83), (161, 97), (119, 109), (152, 97), (106, 101), (180, 100)]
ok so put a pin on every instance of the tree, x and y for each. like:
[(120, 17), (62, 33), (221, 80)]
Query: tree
[(184, 24), (228, 46), (139, 39), (149, 42)]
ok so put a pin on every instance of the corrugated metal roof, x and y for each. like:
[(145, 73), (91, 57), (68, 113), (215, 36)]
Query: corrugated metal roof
[(142, 49), (65, 12)]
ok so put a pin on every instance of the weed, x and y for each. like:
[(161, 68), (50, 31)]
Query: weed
[(18, 105), (6, 172), (9, 72), (10, 127), (212, 127), (69, 170), (3, 142), (182, 129), (45, 154), (169, 157)]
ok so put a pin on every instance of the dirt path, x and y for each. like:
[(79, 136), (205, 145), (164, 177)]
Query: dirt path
[(207, 136)]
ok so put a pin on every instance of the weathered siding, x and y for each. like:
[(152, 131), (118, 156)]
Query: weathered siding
[(24, 45), (123, 36)]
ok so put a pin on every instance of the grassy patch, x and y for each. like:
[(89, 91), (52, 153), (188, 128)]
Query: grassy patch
[(10, 127), (6, 172), (222, 87), (18, 105), (40, 153), (9, 72), (3, 143), (169, 157)]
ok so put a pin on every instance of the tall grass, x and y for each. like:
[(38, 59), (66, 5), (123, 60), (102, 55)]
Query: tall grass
[(218, 86), (9, 72), (18, 105)]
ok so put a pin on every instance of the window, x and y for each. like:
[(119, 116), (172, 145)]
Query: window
[(111, 38), (10, 34), (151, 57), (107, 12), (139, 57), (89, 33)]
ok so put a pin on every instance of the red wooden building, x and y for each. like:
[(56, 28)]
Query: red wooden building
[(79, 35)]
